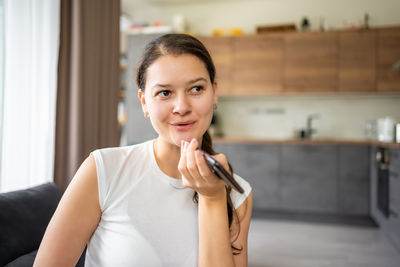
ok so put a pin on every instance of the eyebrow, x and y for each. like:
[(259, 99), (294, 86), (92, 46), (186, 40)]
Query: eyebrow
[(197, 80), (189, 82)]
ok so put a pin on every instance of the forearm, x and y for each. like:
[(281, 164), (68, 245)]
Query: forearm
[(214, 236)]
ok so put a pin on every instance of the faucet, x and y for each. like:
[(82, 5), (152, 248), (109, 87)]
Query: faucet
[(309, 130)]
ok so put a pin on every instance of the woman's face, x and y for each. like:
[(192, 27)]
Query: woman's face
[(179, 97)]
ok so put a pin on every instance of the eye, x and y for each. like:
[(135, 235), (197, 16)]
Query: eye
[(164, 93), (197, 89)]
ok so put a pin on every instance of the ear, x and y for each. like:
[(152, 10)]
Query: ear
[(215, 96), (142, 100)]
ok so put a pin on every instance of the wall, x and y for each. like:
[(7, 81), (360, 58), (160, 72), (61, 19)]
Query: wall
[(204, 16), (342, 116)]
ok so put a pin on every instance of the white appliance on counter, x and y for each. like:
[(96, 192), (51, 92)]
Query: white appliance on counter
[(385, 129)]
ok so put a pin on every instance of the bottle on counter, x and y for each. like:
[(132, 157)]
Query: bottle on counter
[(305, 24)]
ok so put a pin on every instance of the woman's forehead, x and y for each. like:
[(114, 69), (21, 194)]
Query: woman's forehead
[(176, 69)]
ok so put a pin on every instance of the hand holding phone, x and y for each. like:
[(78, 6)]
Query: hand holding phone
[(220, 171)]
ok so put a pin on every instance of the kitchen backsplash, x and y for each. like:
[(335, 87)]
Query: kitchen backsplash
[(339, 116)]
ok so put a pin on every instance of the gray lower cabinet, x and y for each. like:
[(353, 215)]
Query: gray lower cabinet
[(330, 179), (373, 181), (259, 165), (391, 224), (308, 178), (394, 196), (353, 180)]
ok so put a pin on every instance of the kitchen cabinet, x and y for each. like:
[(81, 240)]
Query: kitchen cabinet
[(357, 60), (308, 178), (301, 62), (325, 178), (394, 196), (310, 63), (373, 180), (221, 52), (257, 64), (388, 55), (389, 225), (353, 180), (259, 165)]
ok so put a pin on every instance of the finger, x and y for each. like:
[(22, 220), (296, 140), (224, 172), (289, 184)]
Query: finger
[(191, 163), (187, 180), (203, 167)]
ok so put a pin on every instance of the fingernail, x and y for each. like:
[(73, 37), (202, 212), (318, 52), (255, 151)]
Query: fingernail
[(193, 140)]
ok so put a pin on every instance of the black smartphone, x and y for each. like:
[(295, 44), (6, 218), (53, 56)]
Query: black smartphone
[(220, 171)]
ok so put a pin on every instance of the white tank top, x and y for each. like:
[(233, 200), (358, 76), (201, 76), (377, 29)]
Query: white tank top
[(148, 218)]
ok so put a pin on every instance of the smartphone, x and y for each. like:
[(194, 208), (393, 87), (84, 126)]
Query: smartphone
[(220, 171)]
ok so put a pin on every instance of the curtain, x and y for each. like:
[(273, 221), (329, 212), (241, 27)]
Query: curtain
[(31, 30), (2, 60), (88, 83)]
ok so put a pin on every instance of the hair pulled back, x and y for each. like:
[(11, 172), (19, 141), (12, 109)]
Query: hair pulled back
[(173, 44), (179, 44)]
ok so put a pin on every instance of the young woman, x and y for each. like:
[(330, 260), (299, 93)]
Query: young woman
[(156, 203)]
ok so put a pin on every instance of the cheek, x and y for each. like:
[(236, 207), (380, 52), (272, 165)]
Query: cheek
[(158, 115), (159, 112), (205, 109)]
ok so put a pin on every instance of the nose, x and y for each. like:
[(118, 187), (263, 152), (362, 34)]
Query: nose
[(181, 105)]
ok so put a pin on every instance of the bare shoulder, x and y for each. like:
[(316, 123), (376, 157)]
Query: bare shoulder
[(74, 221), (84, 183)]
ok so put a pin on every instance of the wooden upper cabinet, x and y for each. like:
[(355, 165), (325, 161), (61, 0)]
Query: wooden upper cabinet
[(357, 60), (388, 55), (220, 49), (257, 64), (310, 63), (336, 61)]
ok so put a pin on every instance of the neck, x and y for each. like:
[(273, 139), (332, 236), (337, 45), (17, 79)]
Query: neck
[(167, 157)]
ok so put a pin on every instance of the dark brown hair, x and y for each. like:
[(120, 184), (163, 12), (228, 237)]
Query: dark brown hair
[(179, 44)]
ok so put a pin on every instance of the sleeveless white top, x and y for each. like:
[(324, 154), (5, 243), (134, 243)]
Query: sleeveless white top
[(148, 218)]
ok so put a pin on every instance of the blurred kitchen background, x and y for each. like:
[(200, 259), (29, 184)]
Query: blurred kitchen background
[(335, 68), (308, 113)]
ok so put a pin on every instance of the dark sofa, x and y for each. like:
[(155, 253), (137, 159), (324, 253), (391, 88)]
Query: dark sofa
[(24, 216)]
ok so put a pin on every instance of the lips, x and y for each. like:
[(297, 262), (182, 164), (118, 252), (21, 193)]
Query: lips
[(184, 125)]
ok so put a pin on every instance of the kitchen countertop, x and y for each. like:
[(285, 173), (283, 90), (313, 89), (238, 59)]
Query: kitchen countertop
[(315, 141)]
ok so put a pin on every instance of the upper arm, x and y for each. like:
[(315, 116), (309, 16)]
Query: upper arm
[(244, 215), (74, 220)]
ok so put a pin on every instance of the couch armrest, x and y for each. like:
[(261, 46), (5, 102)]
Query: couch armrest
[(24, 216)]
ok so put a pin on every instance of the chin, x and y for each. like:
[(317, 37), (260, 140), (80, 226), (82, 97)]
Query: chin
[(185, 137)]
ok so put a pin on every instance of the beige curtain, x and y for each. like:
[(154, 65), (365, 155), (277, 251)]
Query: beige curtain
[(88, 83)]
